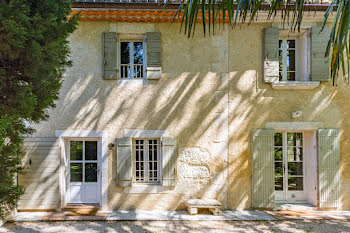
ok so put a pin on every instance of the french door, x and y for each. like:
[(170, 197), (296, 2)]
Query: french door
[(84, 172), (289, 167)]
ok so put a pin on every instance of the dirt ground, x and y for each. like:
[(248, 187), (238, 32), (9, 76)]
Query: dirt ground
[(180, 226)]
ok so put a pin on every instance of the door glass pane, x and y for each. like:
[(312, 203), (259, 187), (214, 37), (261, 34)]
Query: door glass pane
[(278, 183), (90, 172), (278, 154), (76, 150), (278, 139), (295, 183), (90, 150), (76, 172), (295, 139), (278, 168), (295, 154), (295, 168)]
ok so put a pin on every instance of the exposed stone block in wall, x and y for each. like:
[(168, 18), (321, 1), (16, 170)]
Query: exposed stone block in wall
[(188, 171), (194, 156)]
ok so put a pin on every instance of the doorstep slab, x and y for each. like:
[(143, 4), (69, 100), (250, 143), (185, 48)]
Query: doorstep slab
[(28, 216), (140, 215)]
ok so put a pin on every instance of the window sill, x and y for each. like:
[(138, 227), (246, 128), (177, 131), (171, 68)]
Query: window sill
[(295, 85), (147, 189)]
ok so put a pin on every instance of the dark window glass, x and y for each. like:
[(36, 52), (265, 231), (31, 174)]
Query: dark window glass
[(278, 183), (90, 150), (76, 150), (125, 52), (295, 183), (76, 172), (138, 53), (90, 172)]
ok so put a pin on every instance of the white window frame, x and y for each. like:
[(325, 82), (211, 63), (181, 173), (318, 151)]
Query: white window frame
[(146, 162), (132, 39), (284, 58)]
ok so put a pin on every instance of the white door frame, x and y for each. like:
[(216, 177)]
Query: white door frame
[(101, 137)]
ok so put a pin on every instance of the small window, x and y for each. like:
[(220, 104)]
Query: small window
[(294, 56), (146, 161), (287, 52), (132, 59)]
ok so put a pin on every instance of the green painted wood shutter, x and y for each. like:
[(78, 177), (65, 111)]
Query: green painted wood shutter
[(271, 55), (328, 168), (124, 169), (319, 63), (153, 47), (263, 168), (169, 158), (110, 54)]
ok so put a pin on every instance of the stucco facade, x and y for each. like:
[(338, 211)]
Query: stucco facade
[(210, 97)]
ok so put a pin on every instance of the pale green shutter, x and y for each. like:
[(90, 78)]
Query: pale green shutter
[(110, 70), (328, 168), (319, 63), (271, 55), (153, 46), (263, 168), (169, 158), (124, 168)]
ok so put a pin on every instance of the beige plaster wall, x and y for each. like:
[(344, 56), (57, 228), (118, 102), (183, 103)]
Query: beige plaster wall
[(210, 97)]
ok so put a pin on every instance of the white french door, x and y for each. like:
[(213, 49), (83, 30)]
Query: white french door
[(84, 174), (289, 167)]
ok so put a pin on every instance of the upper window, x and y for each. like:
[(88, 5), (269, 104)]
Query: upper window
[(287, 67), (294, 56), (146, 161), (132, 59)]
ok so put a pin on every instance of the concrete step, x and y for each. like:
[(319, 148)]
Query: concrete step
[(73, 210)]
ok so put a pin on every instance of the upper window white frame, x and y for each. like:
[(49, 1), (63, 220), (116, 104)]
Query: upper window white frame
[(132, 68)]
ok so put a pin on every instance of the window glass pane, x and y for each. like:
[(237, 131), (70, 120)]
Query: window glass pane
[(295, 183), (76, 150), (76, 172), (291, 139), (295, 153), (125, 52), (291, 76), (291, 60), (291, 44), (90, 172), (278, 183), (138, 53), (278, 154), (278, 168), (299, 139), (278, 139), (90, 150), (295, 168), (280, 42)]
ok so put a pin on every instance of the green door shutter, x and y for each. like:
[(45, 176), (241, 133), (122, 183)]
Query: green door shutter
[(110, 70), (263, 168), (328, 168), (319, 63), (169, 158), (271, 55), (124, 168), (153, 46)]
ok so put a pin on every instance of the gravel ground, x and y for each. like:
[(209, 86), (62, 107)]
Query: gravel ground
[(179, 226)]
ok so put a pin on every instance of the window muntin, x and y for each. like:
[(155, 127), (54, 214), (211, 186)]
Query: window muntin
[(132, 59), (287, 62), (146, 161)]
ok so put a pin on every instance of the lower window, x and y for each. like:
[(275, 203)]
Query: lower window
[(146, 161)]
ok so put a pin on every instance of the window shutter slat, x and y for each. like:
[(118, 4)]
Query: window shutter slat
[(169, 158), (263, 168), (110, 70), (319, 63), (328, 168), (271, 55), (124, 169), (154, 67)]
